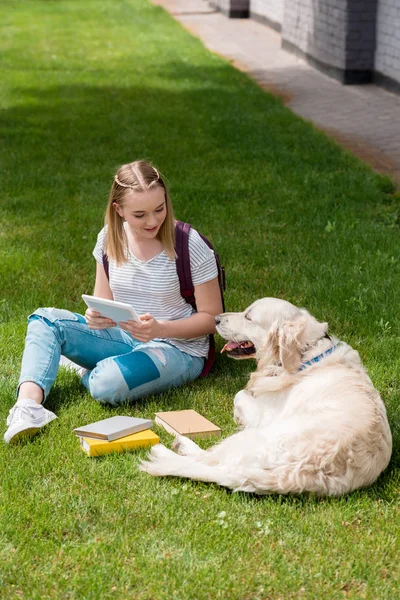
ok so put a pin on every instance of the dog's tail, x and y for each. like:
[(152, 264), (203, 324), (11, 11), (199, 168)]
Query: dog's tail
[(164, 462)]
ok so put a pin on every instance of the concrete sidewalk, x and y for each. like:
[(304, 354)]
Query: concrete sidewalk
[(363, 118)]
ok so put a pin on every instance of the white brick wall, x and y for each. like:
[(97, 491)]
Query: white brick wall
[(387, 54), (317, 29), (337, 33), (271, 9)]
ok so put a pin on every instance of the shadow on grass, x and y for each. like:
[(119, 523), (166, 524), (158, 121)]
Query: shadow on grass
[(69, 139), (382, 491)]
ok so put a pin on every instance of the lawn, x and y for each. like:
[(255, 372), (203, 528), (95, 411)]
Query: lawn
[(86, 86)]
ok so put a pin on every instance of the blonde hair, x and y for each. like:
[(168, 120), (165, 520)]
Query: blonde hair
[(139, 176)]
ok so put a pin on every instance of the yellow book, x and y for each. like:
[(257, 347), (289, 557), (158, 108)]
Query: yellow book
[(96, 447)]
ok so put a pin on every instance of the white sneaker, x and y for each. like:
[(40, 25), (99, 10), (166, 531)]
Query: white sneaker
[(71, 366), (26, 418)]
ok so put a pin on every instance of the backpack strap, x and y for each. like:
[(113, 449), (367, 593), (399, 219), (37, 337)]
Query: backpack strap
[(186, 283), (221, 269), (183, 262), (106, 265), (210, 357)]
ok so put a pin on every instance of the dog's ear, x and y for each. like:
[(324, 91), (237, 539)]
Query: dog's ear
[(290, 343), (270, 350)]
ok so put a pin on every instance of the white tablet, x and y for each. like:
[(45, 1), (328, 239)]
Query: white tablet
[(117, 311)]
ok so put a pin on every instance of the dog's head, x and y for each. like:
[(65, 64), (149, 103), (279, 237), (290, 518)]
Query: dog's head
[(277, 327)]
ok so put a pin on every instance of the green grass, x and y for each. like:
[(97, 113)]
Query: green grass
[(89, 85)]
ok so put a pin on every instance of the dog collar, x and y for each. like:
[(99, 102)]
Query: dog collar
[(317, 358)]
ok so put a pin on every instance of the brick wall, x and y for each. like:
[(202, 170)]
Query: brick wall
[(387, 54), (316, 29), (337, 36), (270, 11), (356, 41)]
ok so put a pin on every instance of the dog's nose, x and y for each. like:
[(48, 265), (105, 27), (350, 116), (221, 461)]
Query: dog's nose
[(217, 319)]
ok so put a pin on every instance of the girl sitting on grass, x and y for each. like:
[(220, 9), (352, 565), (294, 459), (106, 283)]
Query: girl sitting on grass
[(169, 345)]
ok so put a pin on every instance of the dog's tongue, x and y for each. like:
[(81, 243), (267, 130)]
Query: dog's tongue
[(230, 346)]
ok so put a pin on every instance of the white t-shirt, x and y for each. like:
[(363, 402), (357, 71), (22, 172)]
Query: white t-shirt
[(152, 286)]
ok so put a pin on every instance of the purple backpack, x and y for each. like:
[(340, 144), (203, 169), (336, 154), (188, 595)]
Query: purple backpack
[(185, 279)]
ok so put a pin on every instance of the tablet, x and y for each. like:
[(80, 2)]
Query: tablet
[(117, 311)]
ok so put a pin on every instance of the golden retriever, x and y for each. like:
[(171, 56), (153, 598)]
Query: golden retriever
[(311, 419)]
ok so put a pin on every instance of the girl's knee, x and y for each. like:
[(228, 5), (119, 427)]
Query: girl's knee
[(41, 323), (53, 316), (105, 391), (54, 321), (106, 384), (121, 378)]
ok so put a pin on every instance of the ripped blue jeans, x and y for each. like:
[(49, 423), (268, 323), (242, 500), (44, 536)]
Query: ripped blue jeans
[(119, 367)]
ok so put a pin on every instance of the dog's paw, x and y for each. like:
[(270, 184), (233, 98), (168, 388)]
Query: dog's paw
[(159, 451), (157, 460), (185, 446), (177, 444)]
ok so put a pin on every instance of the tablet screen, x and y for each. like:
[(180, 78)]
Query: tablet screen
[(117, 311)]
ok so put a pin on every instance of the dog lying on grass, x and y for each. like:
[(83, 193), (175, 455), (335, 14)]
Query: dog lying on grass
[(311, 419)]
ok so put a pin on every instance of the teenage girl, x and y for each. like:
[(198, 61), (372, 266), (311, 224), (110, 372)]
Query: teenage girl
[(169, 345)]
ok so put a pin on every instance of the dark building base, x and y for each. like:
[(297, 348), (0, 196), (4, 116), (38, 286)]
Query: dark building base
[(231, 13), (265, 21), (346, 76), (386, 82)]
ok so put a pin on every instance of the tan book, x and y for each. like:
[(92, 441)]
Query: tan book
[(186, 422)]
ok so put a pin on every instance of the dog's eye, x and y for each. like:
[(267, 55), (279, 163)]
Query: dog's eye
[(247, 317)]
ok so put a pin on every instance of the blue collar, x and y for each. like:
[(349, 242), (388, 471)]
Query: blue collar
[(317, 358)]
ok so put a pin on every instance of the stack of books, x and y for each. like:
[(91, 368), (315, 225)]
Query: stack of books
[(116, 434)]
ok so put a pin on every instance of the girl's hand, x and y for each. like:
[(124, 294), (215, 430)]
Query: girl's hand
[(95, 321), (148, 329)]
